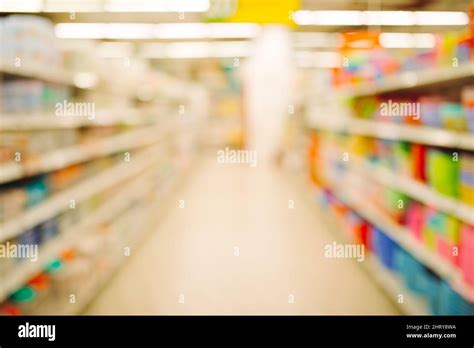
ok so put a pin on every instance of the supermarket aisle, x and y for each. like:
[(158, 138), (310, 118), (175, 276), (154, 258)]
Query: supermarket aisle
[(237, 248)]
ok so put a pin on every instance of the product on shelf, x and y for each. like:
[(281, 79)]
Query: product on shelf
[(451, 303), (384, 247), (28, 96), (415, 219), (467, 99), (29, 39), (467, 253), (443, 172), (428, 110), (373, 63), (446, 237), (418, 278), (25, 299), (418, 162), (466, 178)]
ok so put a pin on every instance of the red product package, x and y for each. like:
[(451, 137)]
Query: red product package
[(418, 158)]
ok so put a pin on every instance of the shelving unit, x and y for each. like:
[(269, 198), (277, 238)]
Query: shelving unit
[(39, 72), (393, 131), (402, 237), (343, 122), (387, 281), (409, 80), (86, 293), (79, 153), (26, 270), (50, 121), (414, 189), (393, 286), (79, 192)]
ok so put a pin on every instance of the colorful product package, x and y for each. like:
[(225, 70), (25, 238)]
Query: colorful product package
[(467, 253), (443, 172)]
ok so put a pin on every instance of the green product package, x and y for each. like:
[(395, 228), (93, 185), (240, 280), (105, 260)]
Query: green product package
[(443, 172), (23, 295)]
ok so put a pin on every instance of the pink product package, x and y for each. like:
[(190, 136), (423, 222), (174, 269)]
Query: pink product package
[(447, 251), (467, 253), (415, 219)]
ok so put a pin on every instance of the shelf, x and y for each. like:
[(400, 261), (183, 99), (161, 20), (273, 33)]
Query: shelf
[(86, 293), (404, 239), (16, 122), (61, 158), (39, 72), (414, 189), (26, 270), (409, 80), (87, 188), (389, 282), (393, 131), (393, 286)]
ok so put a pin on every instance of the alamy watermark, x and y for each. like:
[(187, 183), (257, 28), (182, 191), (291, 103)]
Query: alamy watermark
[(391, 108), (345, 251), (75, 109), (19, 251), (237, 157)]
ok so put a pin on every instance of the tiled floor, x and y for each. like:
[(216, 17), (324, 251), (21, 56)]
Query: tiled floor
[(236, 247)]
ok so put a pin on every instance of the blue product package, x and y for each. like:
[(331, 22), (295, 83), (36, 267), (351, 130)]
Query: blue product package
[(37, 191), (48, 230), (385, 248), (451, 303)]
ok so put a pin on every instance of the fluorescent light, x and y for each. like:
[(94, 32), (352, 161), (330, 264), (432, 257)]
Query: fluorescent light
[(72, 6), (158, 31), (157, 5), (328, 17), (407, 40), (193, 49), (24, 6), (104, 31), (85, 80), (318, 40), (442, 18), (389, 18), (181, 31), (129, 31), (394, 18), (188, 50), (308, 59), (233, 30), (80, 30)]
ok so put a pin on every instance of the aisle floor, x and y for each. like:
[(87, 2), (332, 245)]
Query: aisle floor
[(247, 241)]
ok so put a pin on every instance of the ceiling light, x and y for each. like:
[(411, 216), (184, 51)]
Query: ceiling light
[(72, 6), (393, 18), (328, 17), (24, 6), (80, 30), (172, 31), (193, 49), (441, 18), (157, 5), (181, 31), (318, 40), (233, 30), (188, 50), (407, 40)]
